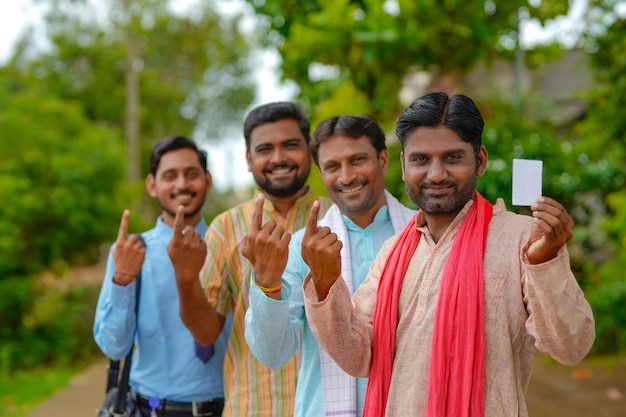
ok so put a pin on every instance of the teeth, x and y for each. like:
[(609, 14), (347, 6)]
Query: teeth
[(352, 190), (281, 171), (184, 197)]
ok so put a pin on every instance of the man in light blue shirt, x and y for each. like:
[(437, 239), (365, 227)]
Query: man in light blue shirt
[(167, 365), (351, 155)]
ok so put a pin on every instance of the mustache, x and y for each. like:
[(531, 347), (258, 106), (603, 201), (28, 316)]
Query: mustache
[(446, 183), (348, 186), (280, 166)]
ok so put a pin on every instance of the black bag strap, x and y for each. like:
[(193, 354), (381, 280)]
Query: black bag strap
[(120, 401)]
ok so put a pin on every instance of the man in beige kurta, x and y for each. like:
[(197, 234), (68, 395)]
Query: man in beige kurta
[(531, 298)]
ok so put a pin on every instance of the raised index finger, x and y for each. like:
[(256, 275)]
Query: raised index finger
[(257, 215), (179, 221), (123, 231), (311, 225)]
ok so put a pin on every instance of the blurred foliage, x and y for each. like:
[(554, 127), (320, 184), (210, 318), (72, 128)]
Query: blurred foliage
[(42, 324), (62, 149), (194, 69), (604, 131), (356, 53), (62, 176)]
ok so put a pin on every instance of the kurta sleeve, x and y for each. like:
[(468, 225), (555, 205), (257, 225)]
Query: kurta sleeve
[(343, 327), (560, 319)]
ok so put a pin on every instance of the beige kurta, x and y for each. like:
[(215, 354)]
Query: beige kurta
[(526, 306)]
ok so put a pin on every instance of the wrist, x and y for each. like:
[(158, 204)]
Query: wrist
[(270, 290), (123, 278)]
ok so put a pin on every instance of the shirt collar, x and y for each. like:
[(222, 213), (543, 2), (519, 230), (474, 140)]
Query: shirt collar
[(305, 200), (381, 219)]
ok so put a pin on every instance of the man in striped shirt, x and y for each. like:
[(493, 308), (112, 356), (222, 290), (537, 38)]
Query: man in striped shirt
[(277, 150)]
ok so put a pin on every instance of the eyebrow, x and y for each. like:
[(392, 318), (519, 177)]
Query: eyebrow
[(445, 152)]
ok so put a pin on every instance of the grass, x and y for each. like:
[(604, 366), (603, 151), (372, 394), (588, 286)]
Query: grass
[(22, 391)]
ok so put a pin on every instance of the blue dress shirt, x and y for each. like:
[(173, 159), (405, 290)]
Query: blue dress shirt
[(273, 326), (164, 364)]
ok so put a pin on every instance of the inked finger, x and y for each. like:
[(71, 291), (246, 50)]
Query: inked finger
[(257, 215), (311, 226), (123, 230), (179, 221)]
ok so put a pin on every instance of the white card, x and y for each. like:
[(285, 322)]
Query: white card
[(526, 181)]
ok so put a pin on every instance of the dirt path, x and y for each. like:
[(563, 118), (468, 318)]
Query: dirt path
[(80, 398), (594, 389)]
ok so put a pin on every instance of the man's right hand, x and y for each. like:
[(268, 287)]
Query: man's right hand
[(128, 254), (187, 251), (321, 250), (267, 248)]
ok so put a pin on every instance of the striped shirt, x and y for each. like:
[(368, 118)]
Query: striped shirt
[(250, 388)]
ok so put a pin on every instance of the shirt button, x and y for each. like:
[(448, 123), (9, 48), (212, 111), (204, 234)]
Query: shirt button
[(426, 283), (436, 253)]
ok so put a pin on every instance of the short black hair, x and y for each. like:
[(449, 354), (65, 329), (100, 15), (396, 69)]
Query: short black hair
[(351, 126), (273, 112), (171, 143), (458, 112)]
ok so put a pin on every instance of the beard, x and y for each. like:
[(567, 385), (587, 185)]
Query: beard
[(282, 190), (195, 210), (444, 205), (354, 205)]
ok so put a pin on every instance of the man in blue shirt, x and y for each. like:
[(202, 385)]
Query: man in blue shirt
[(167, 374), (351, 155)]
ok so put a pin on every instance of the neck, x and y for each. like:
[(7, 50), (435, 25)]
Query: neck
[(168, 219), (366, 218), (284, 204), (438, 224)]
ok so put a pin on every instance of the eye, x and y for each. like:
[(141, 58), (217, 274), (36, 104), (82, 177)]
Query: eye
[(419, 159), (263, 150), (330, 167), (169, 176)]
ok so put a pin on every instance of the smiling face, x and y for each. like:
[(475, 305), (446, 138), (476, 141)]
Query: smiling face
[(279, 158), (354, 176), (440, 170), (180, 180)]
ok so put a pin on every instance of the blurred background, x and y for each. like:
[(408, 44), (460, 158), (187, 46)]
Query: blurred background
[(88, 86)]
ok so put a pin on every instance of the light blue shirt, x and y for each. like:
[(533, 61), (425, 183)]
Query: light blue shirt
[(164, 364), (273, 326)]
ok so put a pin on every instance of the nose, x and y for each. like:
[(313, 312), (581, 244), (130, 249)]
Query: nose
[(278, 156), (181, 182), (437, 171), (347, 175)]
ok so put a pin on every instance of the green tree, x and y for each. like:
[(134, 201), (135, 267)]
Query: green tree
[(194, 69), (59, 178), (604, 130), (358, 52)]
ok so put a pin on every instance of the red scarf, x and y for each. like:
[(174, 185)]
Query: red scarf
[(456, 385)]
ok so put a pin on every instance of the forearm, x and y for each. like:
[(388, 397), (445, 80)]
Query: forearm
[(560, 319), (338, 328), (115, 319), (271, 332), (200, 317)]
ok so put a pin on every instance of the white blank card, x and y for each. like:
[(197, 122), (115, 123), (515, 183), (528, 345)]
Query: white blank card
[(526, 181)]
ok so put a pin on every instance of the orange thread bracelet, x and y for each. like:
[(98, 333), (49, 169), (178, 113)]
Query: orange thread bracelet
[(272, 290)]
